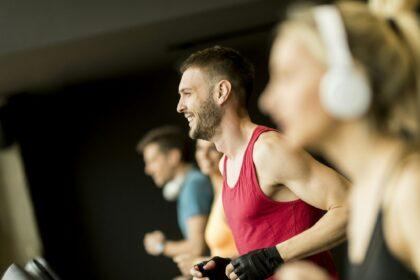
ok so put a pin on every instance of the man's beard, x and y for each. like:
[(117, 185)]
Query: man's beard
[(208, 119)]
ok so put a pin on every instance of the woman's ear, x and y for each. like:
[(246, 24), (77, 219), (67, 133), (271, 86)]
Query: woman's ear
[(223, 90)]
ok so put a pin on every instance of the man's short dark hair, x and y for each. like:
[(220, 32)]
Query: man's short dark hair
[(227, 63), (168, 138)]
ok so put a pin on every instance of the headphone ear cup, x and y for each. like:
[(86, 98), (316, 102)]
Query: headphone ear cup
[(345, 93)]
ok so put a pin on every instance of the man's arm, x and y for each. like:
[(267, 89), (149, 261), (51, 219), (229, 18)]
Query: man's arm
[(195, 244), (311, 181)]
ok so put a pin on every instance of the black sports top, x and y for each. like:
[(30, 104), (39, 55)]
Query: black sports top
[(379, 263)]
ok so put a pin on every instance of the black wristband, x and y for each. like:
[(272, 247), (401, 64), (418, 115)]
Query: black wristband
[(218, 273), (258, 264)]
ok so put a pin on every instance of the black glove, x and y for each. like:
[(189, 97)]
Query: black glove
[(218, 273), (258, 264)]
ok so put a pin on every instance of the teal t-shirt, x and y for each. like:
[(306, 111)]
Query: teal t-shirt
[(195, 198)]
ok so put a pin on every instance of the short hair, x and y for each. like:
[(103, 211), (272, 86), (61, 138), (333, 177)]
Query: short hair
[(167, 138), (227, 63)]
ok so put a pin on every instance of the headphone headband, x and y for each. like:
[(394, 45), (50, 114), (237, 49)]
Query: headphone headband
[(332, 31), (344, 89)]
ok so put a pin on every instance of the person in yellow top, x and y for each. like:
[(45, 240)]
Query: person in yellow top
[(217, 235)]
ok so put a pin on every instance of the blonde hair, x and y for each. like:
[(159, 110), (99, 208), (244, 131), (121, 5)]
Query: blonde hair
[(384, 38)]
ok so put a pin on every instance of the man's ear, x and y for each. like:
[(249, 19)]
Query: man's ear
[(223, 91), (174, 156)]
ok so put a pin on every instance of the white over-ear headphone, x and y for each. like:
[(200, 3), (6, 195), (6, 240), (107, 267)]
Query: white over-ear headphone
[(345, 92)]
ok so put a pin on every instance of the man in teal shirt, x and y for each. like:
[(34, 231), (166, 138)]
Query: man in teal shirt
[(166, 153), (194, 198)]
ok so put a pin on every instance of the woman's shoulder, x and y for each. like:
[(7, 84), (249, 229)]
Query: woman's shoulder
[(406, 185), (402, 213)]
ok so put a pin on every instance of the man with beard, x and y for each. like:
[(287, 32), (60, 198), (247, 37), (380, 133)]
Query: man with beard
[(167, 156), (280, 203)]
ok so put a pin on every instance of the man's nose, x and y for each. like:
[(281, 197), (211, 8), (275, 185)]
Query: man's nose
[(180, 106)]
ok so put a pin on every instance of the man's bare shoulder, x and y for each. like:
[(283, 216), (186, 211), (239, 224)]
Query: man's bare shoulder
[(274, 143), (272, 150), (222, 164)]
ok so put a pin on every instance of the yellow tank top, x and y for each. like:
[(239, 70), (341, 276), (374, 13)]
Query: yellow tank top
[(218, 235)]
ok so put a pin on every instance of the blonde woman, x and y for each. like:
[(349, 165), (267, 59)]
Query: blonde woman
[(344, 80)]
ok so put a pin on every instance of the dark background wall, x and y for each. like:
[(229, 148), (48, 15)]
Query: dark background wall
[(79, 101)]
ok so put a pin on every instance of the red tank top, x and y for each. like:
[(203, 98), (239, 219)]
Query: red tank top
[(257, 221)]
